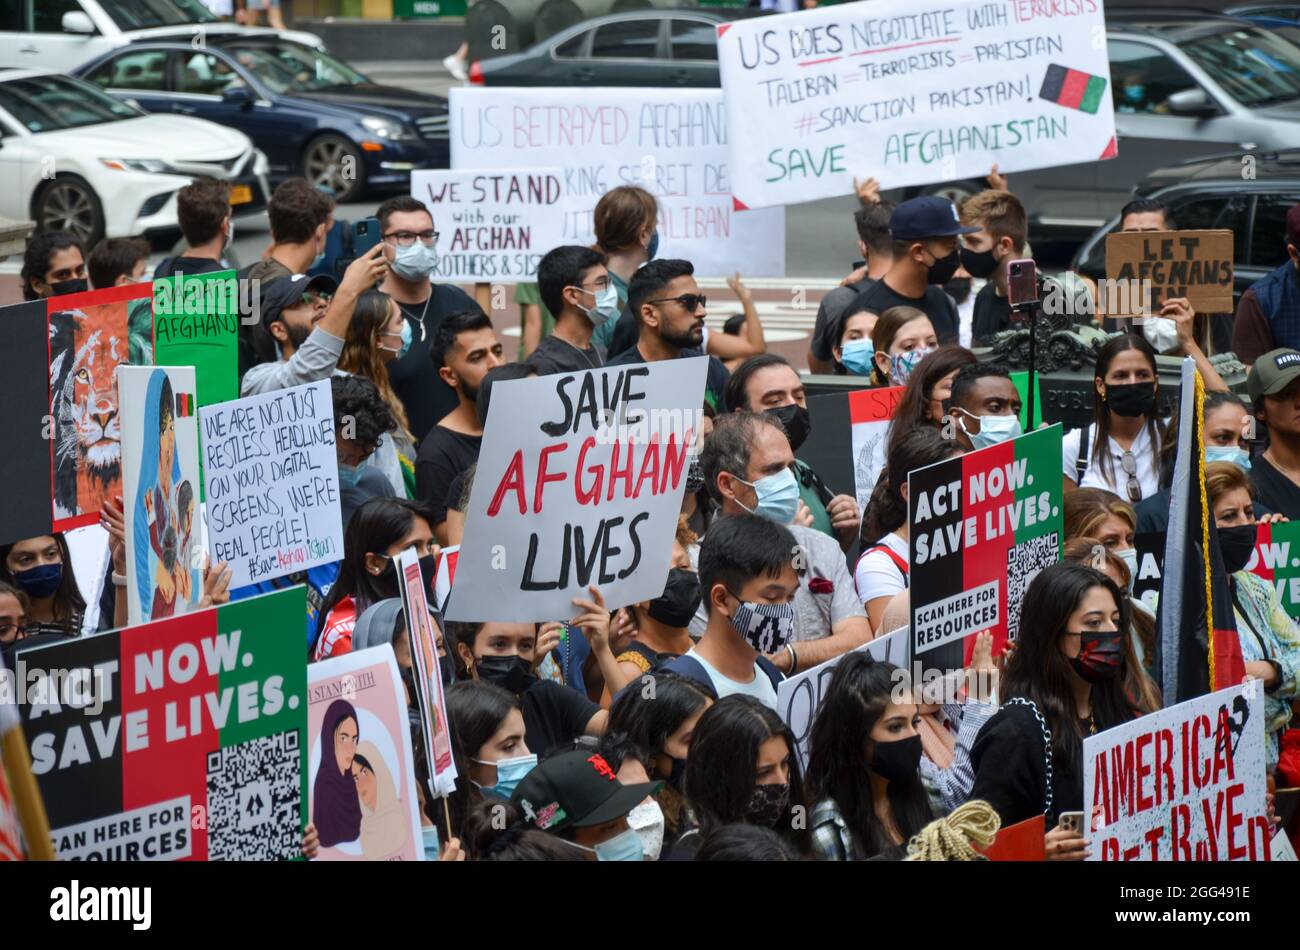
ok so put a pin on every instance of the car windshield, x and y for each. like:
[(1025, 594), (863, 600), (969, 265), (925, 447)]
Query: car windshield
[(142, 14), (1254, 67), (292, 67), (50, 103)]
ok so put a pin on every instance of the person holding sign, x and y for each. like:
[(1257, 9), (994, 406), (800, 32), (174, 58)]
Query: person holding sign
[(42, 569), (985, 406), (1274, 387), (575, 286)]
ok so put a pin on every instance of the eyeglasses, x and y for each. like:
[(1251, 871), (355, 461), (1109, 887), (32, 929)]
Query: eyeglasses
[(407, 238), (315, 297), (601, 284), (1128, 462), (12, 631), (688, 301)]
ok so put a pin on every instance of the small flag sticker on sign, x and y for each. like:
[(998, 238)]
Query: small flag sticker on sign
[(184, 405), (1072, 88)]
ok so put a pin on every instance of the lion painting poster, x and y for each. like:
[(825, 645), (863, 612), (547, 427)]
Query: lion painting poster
[(91, 334), (160, 491)]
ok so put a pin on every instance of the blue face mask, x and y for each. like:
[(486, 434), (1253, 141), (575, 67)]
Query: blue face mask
[(856, 357), (902, 365), (993, 429), (431, 846), (510, 772), (415, 262), (606, 308), (406, 340), (1228, 453), (653, 247), (1135, 93), (624, 847), (40, 582), (350, 475), (778, 496)]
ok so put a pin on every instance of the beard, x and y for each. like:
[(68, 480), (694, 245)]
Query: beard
[(468, 392), (297, 335), (685, 340)]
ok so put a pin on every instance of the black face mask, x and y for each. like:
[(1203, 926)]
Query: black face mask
[(681, 598), (943, 268), (979, 264), (59, 288), (1131, 399), (897, 760), (511, 673), (1236, 545), (958, 289), (446, 669), (1099, 656), (796, 422)]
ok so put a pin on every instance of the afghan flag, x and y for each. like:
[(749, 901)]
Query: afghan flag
[(1072, 88), (1199, 649)]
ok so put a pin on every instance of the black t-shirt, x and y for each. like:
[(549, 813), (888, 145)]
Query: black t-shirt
[(715, 382), (554, 715), (834, 305), (443, 455), (627, 331), (936, 305), (424, 395), (554, 355), (992, 314), (189, 266), (1274, 490)]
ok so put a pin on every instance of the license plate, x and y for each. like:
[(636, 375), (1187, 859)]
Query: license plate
[(240, 194)]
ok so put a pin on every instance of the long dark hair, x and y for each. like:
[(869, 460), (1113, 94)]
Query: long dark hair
[(1039, 671), (1100, 451), (68, 603), (496, 831), (476, 711), (887, 510), (721, 772), (910, 413), (375, 527), (857, 697)]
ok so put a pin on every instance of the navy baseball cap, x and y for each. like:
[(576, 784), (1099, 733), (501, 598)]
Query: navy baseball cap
[(286, 291), (928, 216), (576, 789)]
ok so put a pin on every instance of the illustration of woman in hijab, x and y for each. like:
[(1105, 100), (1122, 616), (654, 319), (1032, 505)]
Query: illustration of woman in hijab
[(336, 811), (383, 818), (184, 572), (155, 510)]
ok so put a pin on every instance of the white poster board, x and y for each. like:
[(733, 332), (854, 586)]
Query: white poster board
[(579, 481), (911, 92), (1185, 783), (272, 479), (672, 142)]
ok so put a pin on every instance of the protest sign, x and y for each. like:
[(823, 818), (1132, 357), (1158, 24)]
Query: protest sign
[(160, 491), (446, 575), (579, 481), (799, 697), (870, 411), (981, 526), (360, 762), (26, 425), (1185, 783), (1277, 560), (672, 142), (1150, 546), (911, 93), (1022, 841), (196, 323), (1020, 379), (175, 739), (429, 698), (1192, 264), (493, 225), (272, 482), (90, 335)]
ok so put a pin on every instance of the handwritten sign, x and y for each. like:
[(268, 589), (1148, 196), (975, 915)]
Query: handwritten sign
[(1192, 264), (672, 142), (272, 482), (196, 323), (1186, 783), (579, 481), (494, 225), (870, 413), (912, 93)]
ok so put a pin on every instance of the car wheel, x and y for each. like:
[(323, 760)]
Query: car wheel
[(69, 204), (955, 191), (334, 162)]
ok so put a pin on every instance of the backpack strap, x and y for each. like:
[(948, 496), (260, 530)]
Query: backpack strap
[(899, 562), (1081, 463), (692, 669), (770, 670)]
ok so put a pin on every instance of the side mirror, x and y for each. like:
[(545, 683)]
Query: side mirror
[(78, 22), (1191, 102), (238, 95)]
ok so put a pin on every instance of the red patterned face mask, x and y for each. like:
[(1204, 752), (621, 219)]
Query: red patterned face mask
[(1099, 656)]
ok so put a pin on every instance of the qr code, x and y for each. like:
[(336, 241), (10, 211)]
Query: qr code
[(255, 800), (1024, 561)]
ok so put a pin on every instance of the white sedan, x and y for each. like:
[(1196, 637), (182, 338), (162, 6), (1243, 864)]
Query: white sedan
[(75, 159)]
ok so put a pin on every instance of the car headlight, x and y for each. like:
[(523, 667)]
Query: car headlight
[(154, 165), (389, 129)]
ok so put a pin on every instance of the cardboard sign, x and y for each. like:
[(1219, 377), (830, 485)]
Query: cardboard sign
[(175, 739), (160, 491), (196, 323), (871, 411), (494, 226), (26, 425), (911, 93), (429, 697), (1023, 841), (272, 482), (361, 767), (1277, 560), (982, 525), (1185, 783), (579, 481), (672, 142), (1192, 264), (799, 697)]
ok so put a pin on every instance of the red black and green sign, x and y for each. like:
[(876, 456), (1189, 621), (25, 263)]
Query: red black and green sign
[(1277, 560), (982, 525), (1072, 88), (178, 739)]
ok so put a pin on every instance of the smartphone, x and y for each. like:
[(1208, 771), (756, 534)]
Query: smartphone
[(1071, 820), (1022, 282), (365, 235)]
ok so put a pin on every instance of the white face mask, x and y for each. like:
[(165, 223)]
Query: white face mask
[(1161, 333), (1130, 559), (647, 820)]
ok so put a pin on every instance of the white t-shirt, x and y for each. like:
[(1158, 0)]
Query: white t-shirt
[(877, 575), (760, 687), (1148, 465)]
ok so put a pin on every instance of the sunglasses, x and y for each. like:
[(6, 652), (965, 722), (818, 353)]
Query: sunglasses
[(1128, 462), (690, 302)]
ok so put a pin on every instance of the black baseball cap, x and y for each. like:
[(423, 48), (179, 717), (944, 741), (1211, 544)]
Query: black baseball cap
[(1272, 373), (576, 789), (928, 216), (286, 291)]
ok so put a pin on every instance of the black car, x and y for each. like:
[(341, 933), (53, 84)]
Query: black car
[(311, 113), (641, 48)]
